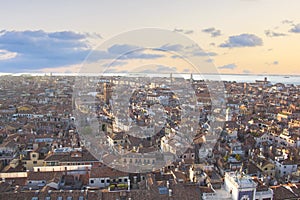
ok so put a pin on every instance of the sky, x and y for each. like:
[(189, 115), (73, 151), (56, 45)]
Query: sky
[(234, 36)]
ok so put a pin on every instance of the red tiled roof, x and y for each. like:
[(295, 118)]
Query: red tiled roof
[(104, 171)]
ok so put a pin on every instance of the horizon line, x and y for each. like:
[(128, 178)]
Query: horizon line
[(109, 73)]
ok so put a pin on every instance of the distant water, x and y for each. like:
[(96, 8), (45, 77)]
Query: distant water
[(285, 79), (251, 78)]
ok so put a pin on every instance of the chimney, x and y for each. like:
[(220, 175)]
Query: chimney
[(170, 192), (128, 184)]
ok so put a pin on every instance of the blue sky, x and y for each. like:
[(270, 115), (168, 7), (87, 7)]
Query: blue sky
[(238, 36)]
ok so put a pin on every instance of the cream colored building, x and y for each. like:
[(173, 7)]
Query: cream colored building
[(32, 160)]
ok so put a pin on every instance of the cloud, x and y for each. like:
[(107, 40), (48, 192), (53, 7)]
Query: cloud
[(216, 33), (188, 32), (127, 51), (158, 69), (195, 50), (30, 51), (186, 51), (177, 56), (287, 21), (119, 49), (272, 63), (212, 31), (66, 35), (271, 33), (94, 35), (295, 29), (242, 40), (229, 66), (208, 30), (38, 49), (209, 60), (172, 47), (246, 71), (162, 68), (180, 30), (202, 53), (5, 55)]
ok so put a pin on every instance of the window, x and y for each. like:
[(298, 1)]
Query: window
[(102, 181), (120, 180), (125, 180), (107, 181), (245, 197), (33, 155), (34, 162), (266, 169), (92, 181)]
